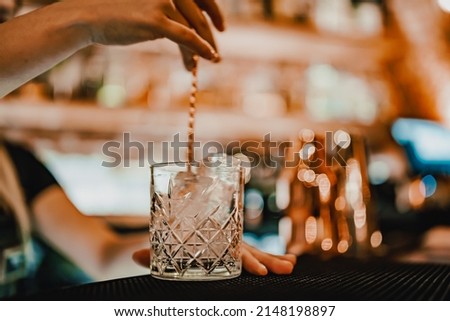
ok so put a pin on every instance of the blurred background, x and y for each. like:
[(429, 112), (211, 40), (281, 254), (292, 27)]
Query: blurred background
[(377, 70)]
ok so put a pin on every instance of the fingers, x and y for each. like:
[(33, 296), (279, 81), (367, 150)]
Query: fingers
[(186, 53), (199, 23), (278, 264), (251, 264), (290, 257), (194, 16), (189, 39), (213, 11), (188, 58), (142, 257)]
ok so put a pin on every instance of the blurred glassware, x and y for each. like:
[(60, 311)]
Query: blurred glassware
[(332, 94), (328, 207)]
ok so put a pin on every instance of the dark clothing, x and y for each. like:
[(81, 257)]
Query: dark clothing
[(50, 269), (34, 177)]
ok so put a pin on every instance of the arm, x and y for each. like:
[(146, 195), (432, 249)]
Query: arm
[(35, 42), (86, 241), (103, 254)]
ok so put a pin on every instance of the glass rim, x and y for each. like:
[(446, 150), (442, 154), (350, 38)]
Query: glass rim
[(174, 167), (196, 164), (164, 164)]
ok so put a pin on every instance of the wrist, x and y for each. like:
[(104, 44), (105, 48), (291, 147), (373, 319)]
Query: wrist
[(72, 21)]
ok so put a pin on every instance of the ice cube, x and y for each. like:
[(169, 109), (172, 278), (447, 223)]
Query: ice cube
[(182, 185), (207, 191), (188, 184), (188, 192), (220, 160)]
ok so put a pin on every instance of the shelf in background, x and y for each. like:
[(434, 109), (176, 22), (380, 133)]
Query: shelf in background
[(268, 42), (211, 124)]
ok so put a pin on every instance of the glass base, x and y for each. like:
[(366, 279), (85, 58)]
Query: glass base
[(196, 274)]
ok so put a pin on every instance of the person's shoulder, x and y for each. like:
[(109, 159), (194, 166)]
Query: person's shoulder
[(18, 149), (32, 173)]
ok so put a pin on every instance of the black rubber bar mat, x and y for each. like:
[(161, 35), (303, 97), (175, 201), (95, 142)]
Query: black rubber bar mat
[(313, 279)]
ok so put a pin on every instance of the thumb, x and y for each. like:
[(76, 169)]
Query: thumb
[(142, 257)]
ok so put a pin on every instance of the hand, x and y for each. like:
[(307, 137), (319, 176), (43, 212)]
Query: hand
[(7, 10), (196, 19), (261, 263), (64, 27), (121, 22), (254, 261)]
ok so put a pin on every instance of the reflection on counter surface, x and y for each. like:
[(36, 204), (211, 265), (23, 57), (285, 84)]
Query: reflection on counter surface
[(342, 108)]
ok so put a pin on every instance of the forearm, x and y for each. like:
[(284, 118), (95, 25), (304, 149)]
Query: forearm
[(86, 241), (35, 42), (117, 259)]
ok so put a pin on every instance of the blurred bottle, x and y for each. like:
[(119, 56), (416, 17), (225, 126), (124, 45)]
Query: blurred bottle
[(113, 92), (92, 76), (299, 11), (328, 207), (261, 95)]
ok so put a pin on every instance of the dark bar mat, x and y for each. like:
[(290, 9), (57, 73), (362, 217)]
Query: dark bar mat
[(313, 279)]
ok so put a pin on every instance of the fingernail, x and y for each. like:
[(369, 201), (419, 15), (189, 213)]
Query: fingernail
[(215, 56), (262, 269), (190, 64)]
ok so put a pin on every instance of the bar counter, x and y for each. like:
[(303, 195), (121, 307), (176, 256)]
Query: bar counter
[(313, 279)]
